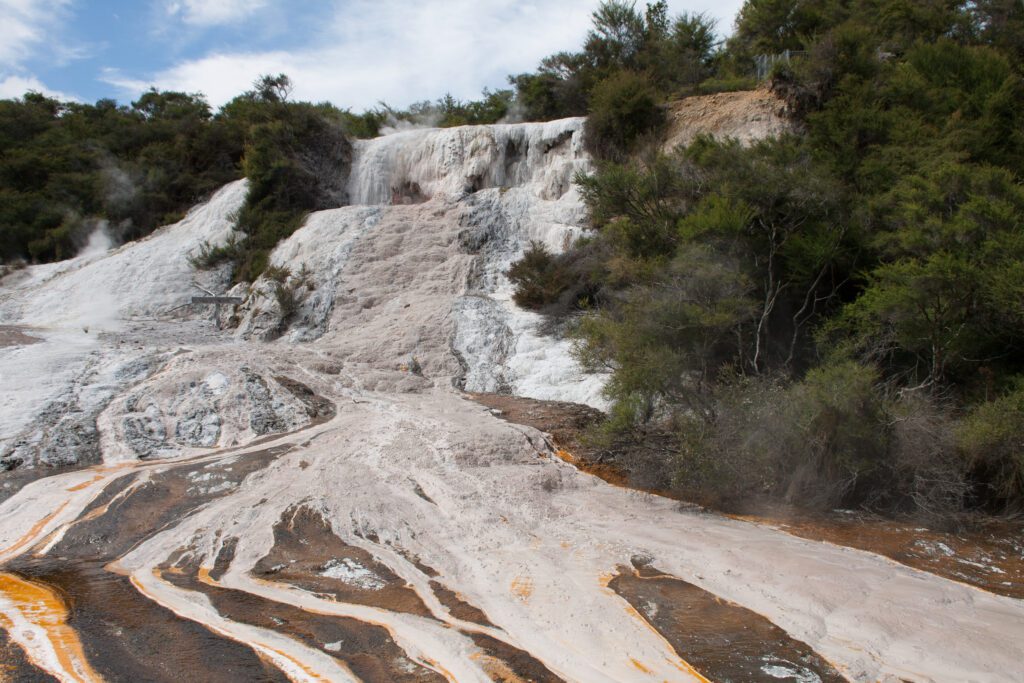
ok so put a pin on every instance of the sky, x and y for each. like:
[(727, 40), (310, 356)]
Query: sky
[(353, 53)]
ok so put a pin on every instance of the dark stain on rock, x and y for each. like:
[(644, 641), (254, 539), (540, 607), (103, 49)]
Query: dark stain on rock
[(519, 665), (318, 408), (723, 641), (165, 499), (224, 558), (366, 649), (15, 666), (307, 554), (127, 637), (457, 606)]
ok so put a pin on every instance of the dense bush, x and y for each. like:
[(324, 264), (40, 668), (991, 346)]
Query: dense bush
[(827, 319), (623, 108), (992, 439), (296, 162), (538, 278), (816, 443), (67, 166), (671, 55)]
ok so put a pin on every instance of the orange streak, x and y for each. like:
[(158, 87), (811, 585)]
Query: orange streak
[(86, 484), (43, 608), (33, 533), (679, 662), (522, 587), (639, 666)]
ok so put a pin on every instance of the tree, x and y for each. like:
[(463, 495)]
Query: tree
[(268, 88), (617, 35)]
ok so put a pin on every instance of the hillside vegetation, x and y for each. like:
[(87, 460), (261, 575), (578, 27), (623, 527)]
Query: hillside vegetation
[(835, 318), (832, 318)]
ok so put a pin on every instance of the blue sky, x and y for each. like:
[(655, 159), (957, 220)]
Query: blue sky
[(353, 53)]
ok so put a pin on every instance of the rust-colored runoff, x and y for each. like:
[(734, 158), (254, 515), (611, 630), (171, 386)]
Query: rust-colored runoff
[(36, 618)]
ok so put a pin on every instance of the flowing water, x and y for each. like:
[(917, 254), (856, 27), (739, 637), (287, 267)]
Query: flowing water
[(309, 495)]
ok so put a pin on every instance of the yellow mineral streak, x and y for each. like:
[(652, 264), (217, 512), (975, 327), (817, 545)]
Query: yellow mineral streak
[(522, 587), (86, 484), (35, 617)]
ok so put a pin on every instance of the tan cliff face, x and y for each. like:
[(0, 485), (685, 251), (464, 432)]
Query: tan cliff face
[(747, 115)]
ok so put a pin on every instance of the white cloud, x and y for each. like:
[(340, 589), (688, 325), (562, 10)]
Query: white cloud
[(14, 86), (207, 13), (25, 25), (400, 51)]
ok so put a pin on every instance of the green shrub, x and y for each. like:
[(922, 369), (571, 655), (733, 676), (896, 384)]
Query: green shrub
[(840, 435), (991, 437), (287, 300), (623, 109), (818, 443), (297, 160), (538, 277)]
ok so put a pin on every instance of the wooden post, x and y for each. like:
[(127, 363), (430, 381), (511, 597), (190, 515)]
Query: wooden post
[(217, 301)]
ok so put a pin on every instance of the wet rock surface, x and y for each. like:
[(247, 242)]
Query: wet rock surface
[(307, 554), (356, 516), (722, 641), (127, 637)]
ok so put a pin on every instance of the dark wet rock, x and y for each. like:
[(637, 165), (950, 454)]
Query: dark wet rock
[(471, 240), (508, 663), (641, 560), (317, 407), (64, 433), (224, 558), (721, 640), (368, 650), (199, 428), (144, 431), (307, 554), (262, 417), (15, 666), (457, 606), (128, 638)]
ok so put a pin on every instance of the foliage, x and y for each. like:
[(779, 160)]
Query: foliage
[(825, 318), (623, 108), (831, 319), (537, 277), (296, 162), (66, 166), (669, 54), (448, 111), (992, 439)]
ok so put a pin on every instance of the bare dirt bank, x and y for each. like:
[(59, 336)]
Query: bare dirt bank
[(747, 115)]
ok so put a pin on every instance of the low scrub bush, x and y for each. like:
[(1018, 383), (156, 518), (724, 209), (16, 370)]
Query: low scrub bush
[(991, 438), (623, 109), (538, 277)]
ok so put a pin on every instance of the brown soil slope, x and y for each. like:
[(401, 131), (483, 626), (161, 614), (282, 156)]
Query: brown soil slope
[(747, 115)]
